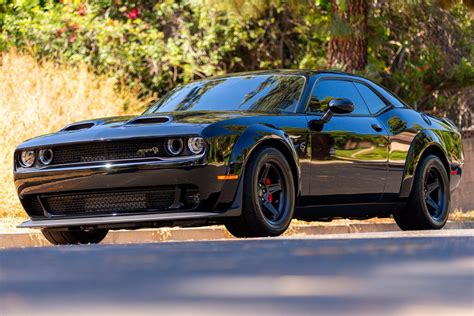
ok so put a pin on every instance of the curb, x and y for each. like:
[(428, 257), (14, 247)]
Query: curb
[(35, 239)]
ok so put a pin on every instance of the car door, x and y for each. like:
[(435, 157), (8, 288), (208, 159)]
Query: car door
[(349, 153)]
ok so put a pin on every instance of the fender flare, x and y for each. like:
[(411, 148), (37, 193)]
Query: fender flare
[(422, 141), (252, 137)]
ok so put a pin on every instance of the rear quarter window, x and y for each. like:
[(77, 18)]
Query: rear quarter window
[(372, 100), (395, 101)]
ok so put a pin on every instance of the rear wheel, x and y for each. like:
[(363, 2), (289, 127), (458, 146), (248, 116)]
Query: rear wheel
[(428, 205), (74, 237), (269, 196)]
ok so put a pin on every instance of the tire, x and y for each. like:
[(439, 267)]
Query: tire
[(269, 198), (428, 204), (74, 237)]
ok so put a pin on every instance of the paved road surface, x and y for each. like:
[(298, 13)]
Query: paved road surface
[(372, 274)]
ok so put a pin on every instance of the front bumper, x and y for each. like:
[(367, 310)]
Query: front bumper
[(456, 171), (215, 197)]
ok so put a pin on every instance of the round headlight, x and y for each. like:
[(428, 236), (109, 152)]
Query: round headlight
[(27, 158), (174, 146), (196, 145), (45, 156)]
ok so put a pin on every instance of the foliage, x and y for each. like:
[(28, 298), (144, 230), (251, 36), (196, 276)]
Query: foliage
[(158, 44), (424, 50), (421, 49)]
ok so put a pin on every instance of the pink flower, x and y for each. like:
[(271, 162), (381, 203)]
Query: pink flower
[(82, 10), (133, 14), (72, 39)]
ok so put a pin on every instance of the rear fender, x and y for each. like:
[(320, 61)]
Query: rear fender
[(423, 140)]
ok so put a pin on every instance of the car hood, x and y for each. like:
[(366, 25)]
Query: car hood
[(128, 127)]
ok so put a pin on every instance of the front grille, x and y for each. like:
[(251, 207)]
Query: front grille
[(110, 202), (109, 150)]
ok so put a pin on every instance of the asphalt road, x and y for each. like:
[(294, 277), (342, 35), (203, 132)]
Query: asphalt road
[(371, 274)]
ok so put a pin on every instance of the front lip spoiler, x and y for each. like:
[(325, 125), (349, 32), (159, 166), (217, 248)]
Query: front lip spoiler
[(123, 219)]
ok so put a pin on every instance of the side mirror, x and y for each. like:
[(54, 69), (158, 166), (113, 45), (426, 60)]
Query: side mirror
[(341, 106), (338, 106)]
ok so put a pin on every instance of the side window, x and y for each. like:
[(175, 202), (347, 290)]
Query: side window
[(336, 89), (374, 103)]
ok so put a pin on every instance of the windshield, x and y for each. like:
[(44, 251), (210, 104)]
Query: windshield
[(262, 93)]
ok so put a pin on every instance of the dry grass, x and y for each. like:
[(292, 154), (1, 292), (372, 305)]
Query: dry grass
[(461, 216), (41, 98)]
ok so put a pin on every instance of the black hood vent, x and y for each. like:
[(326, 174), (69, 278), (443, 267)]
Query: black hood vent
[(76, 127), (149, 120)]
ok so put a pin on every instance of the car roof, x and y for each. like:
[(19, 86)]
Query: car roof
[(295, 72)]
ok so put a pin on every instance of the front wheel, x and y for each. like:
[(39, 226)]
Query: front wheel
[(74, 237), (428, 205), (269, 196)]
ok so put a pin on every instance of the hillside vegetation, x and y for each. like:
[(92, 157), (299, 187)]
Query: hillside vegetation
[(421, 49)]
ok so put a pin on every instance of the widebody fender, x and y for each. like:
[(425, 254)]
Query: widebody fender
[(444, 143), (254, 136)]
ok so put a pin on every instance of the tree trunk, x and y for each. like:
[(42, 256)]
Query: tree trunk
[(349, 49)]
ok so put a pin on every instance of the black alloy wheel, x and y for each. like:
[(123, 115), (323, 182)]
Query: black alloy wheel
[(434, 193), (428, 204), (271, 192), (269, 196)]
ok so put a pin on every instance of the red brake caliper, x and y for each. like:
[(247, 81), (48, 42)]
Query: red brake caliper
[(270, 196)]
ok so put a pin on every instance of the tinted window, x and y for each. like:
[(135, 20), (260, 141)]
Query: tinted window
[(373, 102), (264, 93), (395, 101), (336, 89)]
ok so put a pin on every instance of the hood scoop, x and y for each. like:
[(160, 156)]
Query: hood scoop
[(149, 120), (76, 127)]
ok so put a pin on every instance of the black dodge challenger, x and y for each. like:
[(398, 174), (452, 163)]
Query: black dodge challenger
[(250, 151)]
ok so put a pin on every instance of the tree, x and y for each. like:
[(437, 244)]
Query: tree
[(349, 29)]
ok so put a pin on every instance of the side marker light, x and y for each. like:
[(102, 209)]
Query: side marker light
[(228, 177)]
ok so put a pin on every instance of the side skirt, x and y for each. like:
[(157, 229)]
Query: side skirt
[(350, 210)]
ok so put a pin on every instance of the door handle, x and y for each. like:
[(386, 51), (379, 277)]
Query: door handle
[(377, 127)]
